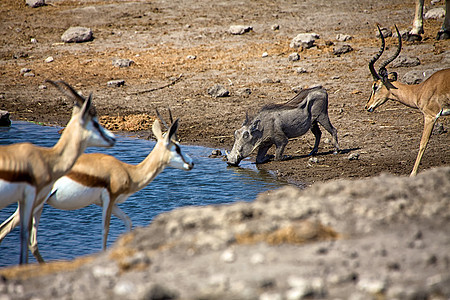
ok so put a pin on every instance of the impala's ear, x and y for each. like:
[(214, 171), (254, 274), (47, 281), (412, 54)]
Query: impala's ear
[(392, 76), (156, 128)]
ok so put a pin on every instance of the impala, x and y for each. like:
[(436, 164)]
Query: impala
[(27, 172), (431, 97), (106, 181)]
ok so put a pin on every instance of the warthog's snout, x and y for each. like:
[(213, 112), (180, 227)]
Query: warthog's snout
[(233, 160)]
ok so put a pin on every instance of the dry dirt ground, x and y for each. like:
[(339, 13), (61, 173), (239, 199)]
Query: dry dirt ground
[(160, 35)]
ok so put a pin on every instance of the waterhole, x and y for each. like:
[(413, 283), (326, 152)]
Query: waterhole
[(69, 234)]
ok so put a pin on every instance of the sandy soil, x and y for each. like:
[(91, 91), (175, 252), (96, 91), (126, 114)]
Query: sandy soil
[(160, 35)]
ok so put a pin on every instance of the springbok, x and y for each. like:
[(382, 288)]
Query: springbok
[(431, 97), (417, 28), (103, 180), (27, 171)]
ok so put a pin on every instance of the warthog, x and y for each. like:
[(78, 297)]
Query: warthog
[(276, 123)]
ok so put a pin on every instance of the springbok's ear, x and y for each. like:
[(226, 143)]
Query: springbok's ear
[(156, 128), (392, 76), (85, 111), (171, 134)]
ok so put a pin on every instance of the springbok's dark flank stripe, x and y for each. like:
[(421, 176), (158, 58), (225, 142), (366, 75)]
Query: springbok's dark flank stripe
[(88, 180), (11, 176)]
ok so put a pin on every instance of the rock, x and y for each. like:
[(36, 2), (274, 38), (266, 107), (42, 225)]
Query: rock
[(305, 40), (416, 76), (294, 57), (228, 256), (244, 92), (28, 74), (25, 70), (343, 37), (405, 61), (301, 70), (265, 54), (353, 156), (215, 153), (4, 119), (122, 62), (49, 59), (342, 49), (116, 83), (435, 13), (191, 57), (218, 91), (386, 32), (301, 288), (77, 35), (372, 286), (275, 27), (239, 29), (35, 3)]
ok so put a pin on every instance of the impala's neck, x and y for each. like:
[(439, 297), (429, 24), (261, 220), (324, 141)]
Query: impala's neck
[(143, 173), (405, 94), (69, 147)]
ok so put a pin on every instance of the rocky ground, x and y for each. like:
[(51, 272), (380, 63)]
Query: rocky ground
[(385, 237)]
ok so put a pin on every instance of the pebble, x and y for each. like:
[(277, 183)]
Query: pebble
[(343, 37), (342, 49), (353, 156), (49, 59), (305, 40), (294, 56), (265, 54), (122, 62), (372, 286), (35, 3), (218, 90), (25, 70), (116, 83), (228, 256), (192, 57), (301, 288), (275, 27), (301, 70)]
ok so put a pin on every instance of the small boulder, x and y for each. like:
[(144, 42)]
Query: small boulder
[(4, 119), (342, 49), (116, 83), (35, 3), (343, 37), (239, 29), (305, 40), (122, 62), (435, 13), (77, 35), (405, 61), (294, 56)]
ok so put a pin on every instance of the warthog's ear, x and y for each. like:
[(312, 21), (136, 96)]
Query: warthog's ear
[(255, 125)]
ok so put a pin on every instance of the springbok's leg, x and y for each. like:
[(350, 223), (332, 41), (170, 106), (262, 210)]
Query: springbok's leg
[(427, 129), (106, 216), (33, 237), (116, 211), (26, 214), (10, 224)]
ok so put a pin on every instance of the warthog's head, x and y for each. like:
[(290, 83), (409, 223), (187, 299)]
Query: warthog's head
[(246, 139)]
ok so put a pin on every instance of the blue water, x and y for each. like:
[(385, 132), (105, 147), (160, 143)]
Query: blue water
[(69, 234)]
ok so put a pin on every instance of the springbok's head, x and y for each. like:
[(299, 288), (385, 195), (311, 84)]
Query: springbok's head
[(84, 122), (382, 81), (169, 148)]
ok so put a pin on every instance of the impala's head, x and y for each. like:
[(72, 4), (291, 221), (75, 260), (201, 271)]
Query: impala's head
[(84, 122), (382, 80), (172, 154)]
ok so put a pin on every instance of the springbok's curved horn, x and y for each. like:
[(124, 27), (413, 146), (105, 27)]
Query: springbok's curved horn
[(376, 57), (399, 48)]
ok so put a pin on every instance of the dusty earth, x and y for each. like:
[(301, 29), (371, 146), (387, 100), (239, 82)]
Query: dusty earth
[(159, 36)]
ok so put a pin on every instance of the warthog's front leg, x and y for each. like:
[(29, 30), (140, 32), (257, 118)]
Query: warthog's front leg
[(262, 157), (281, 144)]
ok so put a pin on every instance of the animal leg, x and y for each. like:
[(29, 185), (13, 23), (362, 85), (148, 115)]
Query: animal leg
[(317, 133), (33, 237), (417, 28), (10, 224), (444, 33), (428, 128), (324, 120), (281, 144), (262, 157), (26, 214), (106, 216), (116, 211)]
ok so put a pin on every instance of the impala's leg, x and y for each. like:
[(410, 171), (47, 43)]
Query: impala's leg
[(444, 33), (10, 224), (417, 28), (116, 211), (26, 214), (317, 134), (428, 128)]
